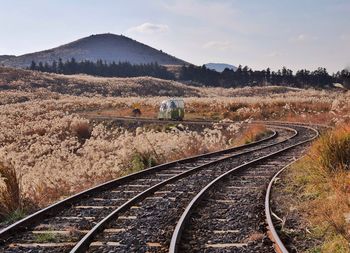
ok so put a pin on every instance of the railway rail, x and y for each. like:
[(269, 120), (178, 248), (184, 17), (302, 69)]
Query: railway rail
[(139, 212), (194, 121), (278, 244), (220, 218), (153, 120)]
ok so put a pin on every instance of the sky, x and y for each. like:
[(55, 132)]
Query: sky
[(271, 33)]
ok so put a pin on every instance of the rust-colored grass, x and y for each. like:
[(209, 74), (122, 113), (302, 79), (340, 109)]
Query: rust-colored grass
[(323, 179), (10, 191), (250, 134)]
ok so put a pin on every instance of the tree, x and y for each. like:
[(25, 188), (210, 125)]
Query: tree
[(268, 75), (54, 67), (41, 66), (243, 76), (60, 67), (33, 66)]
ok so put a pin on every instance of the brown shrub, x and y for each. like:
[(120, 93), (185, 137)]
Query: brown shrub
[(10, 192), (333, 150), (251, 133), (81, 129)]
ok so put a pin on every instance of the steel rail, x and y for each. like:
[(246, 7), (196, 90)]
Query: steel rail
[(294, 123), (199, 122), (175, 240), (278, 244), (38, 216), (84, 243), (144, 119)]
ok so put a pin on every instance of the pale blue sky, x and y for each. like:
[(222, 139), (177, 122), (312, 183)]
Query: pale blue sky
[(275, 33)]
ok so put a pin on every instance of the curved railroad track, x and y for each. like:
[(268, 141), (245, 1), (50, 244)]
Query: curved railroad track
[(139, 212), (279, 246), (228, 214)]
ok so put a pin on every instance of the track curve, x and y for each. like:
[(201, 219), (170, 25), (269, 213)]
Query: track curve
[(11, 233), (77, 223), (212, 240)]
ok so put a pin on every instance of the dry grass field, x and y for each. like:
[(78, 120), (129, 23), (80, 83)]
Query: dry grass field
[(49, 149), (321, 184)]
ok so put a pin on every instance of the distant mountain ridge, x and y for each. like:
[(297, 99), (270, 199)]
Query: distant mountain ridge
[(5, 57), (219, 67), (107, 47)]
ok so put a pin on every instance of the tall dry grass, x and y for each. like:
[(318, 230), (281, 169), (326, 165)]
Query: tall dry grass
[(46, 137), (251, 133), (10, 191), (58, 152), (333, 151), (323, 180)]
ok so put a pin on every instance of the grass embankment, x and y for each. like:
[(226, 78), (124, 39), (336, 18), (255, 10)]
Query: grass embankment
[(322, 181)]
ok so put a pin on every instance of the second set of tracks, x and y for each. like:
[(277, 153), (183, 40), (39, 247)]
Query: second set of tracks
[(206, 203)]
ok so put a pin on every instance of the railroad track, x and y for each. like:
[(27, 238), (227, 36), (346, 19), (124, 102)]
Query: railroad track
[(153, 120), (279, 246), (139, 212), (194, 122), (228, 214)]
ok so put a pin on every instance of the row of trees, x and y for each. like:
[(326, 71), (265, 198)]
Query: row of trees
[(243, 76), (101, 68)]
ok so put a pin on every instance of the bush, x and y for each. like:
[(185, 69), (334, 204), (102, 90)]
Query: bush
[(81, 129), (10, 193), (142, 161), (252, 133), (333, 150)]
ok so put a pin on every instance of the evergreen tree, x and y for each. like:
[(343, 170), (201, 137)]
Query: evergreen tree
[(41, 66), (60, 67), (243, 76), (33, 66)]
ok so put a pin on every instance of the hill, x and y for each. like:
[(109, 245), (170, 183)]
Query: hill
[(6, 57), (219, 67), (108, 47)]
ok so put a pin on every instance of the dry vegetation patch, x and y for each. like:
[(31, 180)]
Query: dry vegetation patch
[(46, 138), (26, 80), (10, 193), (321, 183), (57, 152), (309, 106)]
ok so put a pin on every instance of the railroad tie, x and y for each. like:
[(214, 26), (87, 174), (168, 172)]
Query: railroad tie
[(94, 207), (226, 231), (42, 245), (225, 245)]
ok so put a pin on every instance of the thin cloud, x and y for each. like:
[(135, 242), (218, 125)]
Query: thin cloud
[(215, 13), (345, 37), (149, 28), (273, 54), (195, 8), (302, 38), (220, 45)]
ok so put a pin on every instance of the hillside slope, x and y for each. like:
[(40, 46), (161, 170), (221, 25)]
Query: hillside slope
[(6, 57), (12, 79), (108, 47)]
